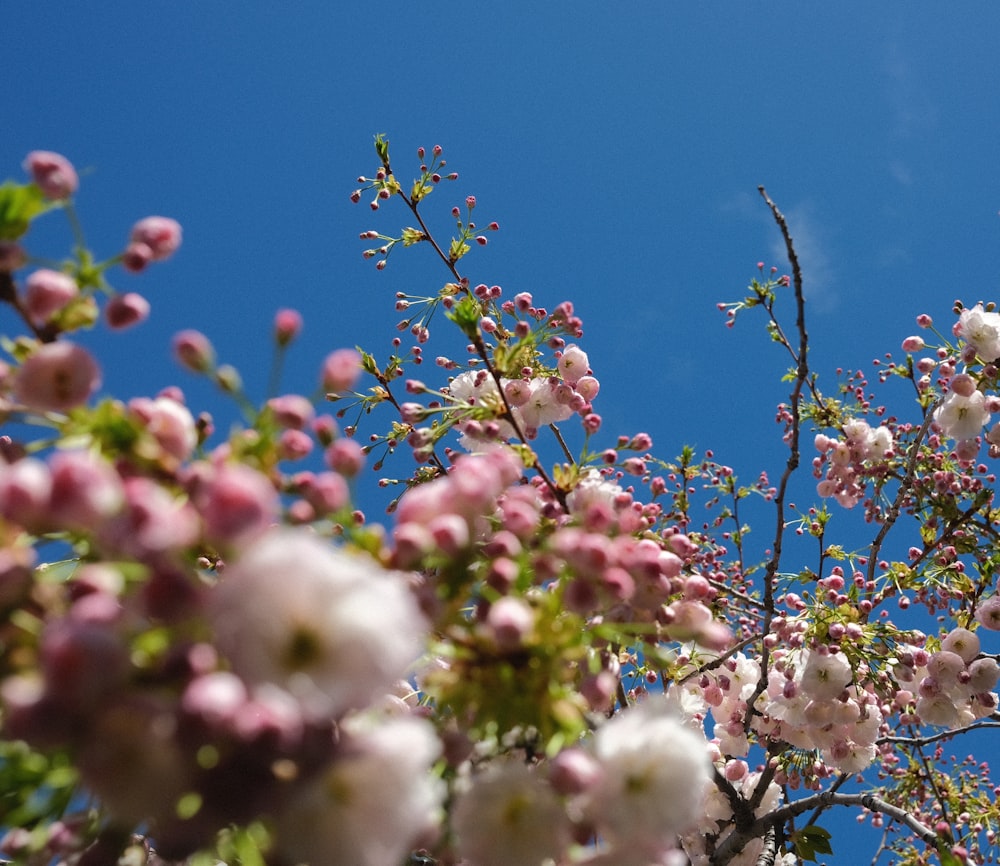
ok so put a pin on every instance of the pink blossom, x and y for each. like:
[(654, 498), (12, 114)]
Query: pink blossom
[(25, 491), (292, 410), (345, 456), (123, 311), (573, 364), (988, 613), (962, 642), (86, 490), (287, 326), (52, 173), (341, 370), (170, 424), (56, 377), (194, 351), (236, 503), (161, 235), (46, 293)]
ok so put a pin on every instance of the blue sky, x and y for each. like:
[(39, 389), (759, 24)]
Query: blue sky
[(619, 146)]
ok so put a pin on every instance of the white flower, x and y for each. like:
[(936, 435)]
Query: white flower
[(656, 771), (510, 816), (333, 629), (594, 489), (962, 417), (878, 443), (981, 330), (826, 676), (372, 805)]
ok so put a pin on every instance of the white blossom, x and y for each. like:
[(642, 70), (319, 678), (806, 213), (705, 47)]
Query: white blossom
[(372, 805), (333, 629)]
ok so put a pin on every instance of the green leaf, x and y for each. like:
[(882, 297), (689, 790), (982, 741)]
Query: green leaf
[(19, 205), (457, 249), (466, 315), (382, 148), (810, 841)]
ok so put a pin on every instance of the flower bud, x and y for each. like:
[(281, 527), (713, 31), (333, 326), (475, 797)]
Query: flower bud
[(52, 173)]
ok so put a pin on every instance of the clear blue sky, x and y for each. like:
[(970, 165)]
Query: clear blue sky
[(619, 145)]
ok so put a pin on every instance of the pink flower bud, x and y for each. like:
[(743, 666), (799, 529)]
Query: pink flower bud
[(46, 293), (341, 370), (194, 351), (136, 257), (52, 173), (123, 311), (963, 384), (287, 326), (292, 410), (57, 377), (161, 234), (237, 502), (294, 444), (913, 344), (345, 456)]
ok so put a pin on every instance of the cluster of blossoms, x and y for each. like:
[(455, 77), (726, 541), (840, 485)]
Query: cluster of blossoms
[(545, 660), (951, 687), (849, 460)]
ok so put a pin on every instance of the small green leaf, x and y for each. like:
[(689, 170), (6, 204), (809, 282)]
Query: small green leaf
[(457, 250), (382, 148), (19, 205), (810, 841), (466, 315)]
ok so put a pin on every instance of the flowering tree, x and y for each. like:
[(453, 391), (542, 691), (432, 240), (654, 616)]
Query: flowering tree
[(547, 657)]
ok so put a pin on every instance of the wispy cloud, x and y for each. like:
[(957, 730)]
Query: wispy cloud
[(912, 114), (811, 239)]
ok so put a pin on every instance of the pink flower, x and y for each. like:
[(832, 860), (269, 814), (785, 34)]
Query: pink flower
[(345, 456), (292, 410), (46, 293), (962, 642), (169, 422), (56, 377), (236, 503), (123, 311), (988, 613), (341, 370), (86, 490), (194, 351), (161, 235), (287, 326), (573, 364), (52, 173)]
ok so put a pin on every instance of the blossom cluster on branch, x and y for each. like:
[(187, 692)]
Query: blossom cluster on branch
[(561, 649)]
